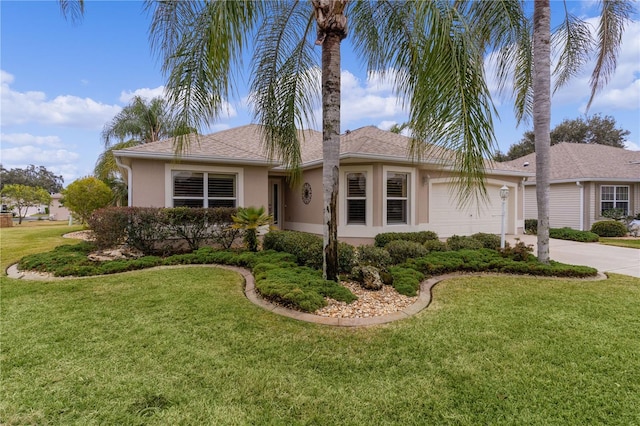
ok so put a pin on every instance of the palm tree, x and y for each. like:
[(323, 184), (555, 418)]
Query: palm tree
[(432, 46), (249, 219), (533, 91), (142, 121)]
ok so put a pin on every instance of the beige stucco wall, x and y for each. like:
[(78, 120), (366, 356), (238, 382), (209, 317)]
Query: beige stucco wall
[(150, 182), (309, 217), (56, 210)]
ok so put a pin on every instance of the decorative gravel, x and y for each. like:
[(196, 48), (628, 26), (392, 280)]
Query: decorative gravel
[(369, 304)]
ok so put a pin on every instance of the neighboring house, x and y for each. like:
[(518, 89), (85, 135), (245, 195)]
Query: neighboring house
[(586, 179), (57, 211), (381, 189)]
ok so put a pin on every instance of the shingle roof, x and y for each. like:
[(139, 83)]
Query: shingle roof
[(572, 161), (245, 144)]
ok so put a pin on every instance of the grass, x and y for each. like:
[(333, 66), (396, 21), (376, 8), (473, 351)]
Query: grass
[(620, 242), (184, 346), (31, 237)]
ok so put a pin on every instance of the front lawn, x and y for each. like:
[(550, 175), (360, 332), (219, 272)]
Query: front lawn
[(621, 242), (184, 346)]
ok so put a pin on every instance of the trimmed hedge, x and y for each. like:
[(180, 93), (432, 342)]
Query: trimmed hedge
[(154, 230), (459, 242), (531, 226), (573, 235), (401, 250), (609, 228), (381, 240), (307, 248)]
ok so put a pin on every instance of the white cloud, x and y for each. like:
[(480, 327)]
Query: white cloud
[(64, 110), (35, 155), (28, 139), (144, 93), (369, 100)]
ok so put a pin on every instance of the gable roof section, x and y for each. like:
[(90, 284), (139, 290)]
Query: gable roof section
[(244, 145), (578, 161)]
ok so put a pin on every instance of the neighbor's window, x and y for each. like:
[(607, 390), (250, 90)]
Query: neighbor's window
[(201, 189), (356, 199), (614, 197), (397, 198)]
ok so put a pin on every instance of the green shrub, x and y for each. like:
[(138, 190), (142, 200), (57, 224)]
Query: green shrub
[(406, 280), (109, 226), (609, 228), (519, 252), (307, 248), (372, 255), (381, 240), (573, 235), (401, 250), (435, 245), (490, 241), (531, 226), (459, 242)]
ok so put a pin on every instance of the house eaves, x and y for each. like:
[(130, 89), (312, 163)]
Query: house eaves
[(198, 158)]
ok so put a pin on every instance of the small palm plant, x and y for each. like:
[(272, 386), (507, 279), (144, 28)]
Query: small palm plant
[(249, 219)]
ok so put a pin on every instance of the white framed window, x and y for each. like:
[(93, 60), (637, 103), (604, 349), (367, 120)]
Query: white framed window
[(356, 198), (398, 192), (356, 189), (202, 186), (614, 197)]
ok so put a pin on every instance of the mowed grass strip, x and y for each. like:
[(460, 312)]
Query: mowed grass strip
[(184, 346), (621, 242)]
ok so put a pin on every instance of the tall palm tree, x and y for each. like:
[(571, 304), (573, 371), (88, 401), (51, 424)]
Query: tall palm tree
[(433, 48), (533, 79)]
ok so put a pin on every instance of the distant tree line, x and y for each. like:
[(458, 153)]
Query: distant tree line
[(37, 177), (594, 129)]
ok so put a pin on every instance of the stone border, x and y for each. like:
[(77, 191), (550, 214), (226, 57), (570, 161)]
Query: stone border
[(423, 301)]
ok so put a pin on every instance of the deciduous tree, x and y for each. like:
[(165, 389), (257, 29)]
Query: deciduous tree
[(21, 197), (85, 195)]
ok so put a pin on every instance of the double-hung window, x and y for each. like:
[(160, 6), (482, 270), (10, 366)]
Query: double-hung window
[(203, 189), (614, 197), (397, 198), (356, 198)]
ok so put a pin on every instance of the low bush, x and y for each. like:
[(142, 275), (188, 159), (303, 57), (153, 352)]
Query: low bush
[(609, 228), (519, 252), (435, 245), (381, 240), (301, 288), (573, 235), (485, 260), (531, 226), (372, 255), (406, 280), (459, 242), (490, 241), (307, 248), (401, 250), (109, 226)]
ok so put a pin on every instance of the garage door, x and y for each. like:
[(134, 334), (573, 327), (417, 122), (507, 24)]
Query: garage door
[(446, 218)]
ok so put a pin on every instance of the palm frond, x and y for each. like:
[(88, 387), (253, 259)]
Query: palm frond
[(72, 10), (574, 38), (615, 15), (201, 44), (285, 83)]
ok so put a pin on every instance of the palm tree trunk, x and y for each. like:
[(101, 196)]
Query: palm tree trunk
[(542, 118), (332, 29), (330, 151)]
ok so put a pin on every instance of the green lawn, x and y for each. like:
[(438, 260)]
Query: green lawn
[(620, 242), (184, 346)]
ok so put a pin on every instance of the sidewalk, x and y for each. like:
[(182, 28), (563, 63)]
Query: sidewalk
[(620, 260)]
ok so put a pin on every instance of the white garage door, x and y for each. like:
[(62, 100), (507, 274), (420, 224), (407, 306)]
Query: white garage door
[(446, 218)]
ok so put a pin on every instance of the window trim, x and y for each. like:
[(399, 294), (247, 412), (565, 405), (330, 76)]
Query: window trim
[(411, 194), (615, 197), (170, 168), (342, 212)]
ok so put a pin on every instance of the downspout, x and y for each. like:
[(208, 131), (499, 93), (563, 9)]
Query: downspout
[(581, 204), (129, 180), (524, 204)]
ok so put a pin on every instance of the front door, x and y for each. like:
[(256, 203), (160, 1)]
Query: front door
[(275, 202)]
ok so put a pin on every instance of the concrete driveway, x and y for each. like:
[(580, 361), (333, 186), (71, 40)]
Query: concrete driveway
[(619, 260)]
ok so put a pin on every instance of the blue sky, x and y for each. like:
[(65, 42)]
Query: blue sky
[(60, 83)]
